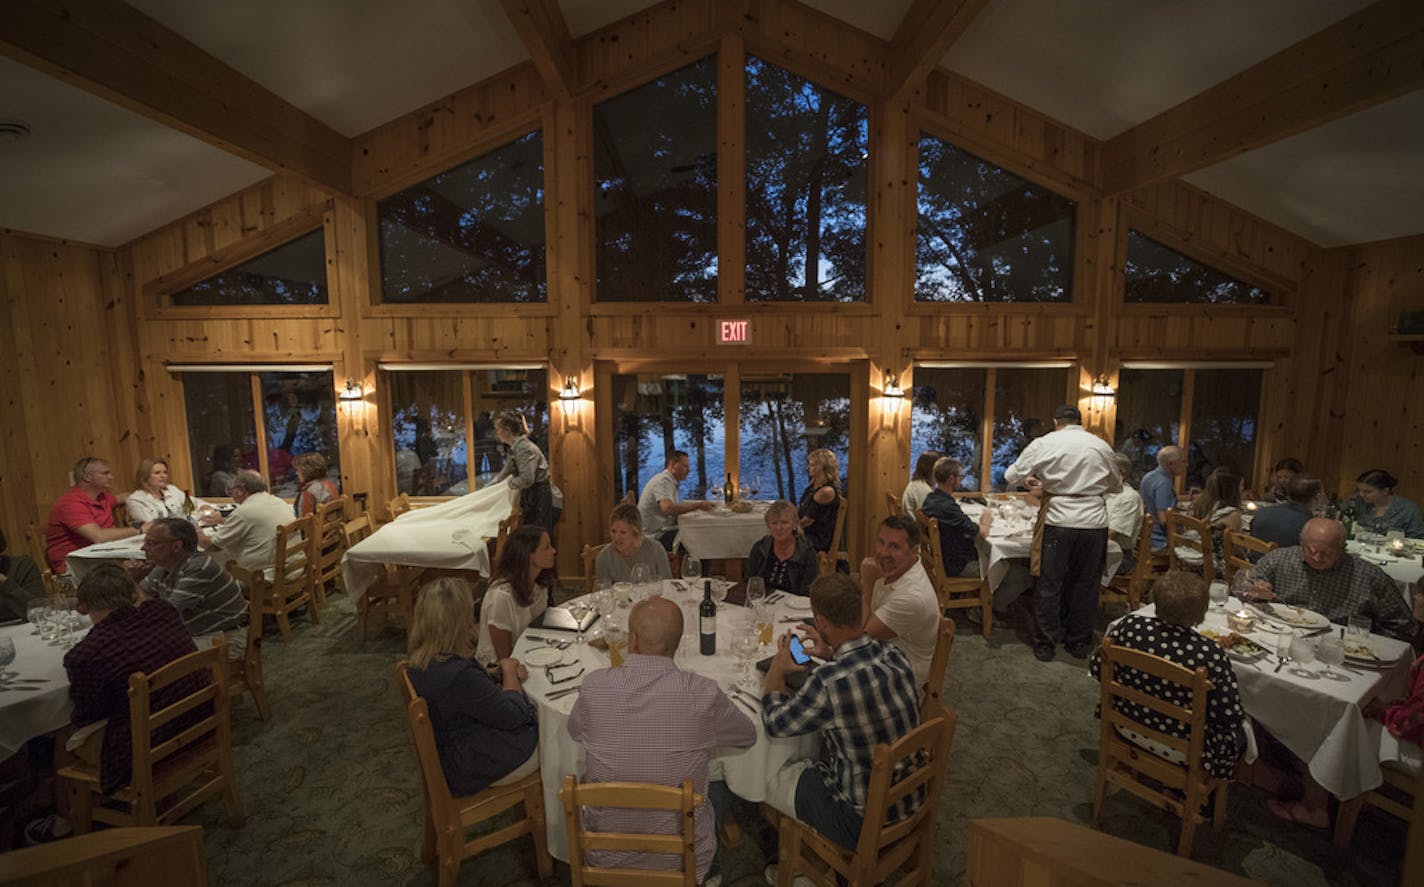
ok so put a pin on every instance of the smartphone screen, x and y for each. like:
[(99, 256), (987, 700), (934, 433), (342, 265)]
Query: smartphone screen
[(798, 652)]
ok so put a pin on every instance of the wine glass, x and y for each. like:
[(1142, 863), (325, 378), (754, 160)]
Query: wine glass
[(7, 655), (603, 602), (755, 488), (35, 615), (1331, 651), (691, 568), (756, 591), (719, 593), (1219, 593), (578, 608), (745, 645), (639, 576)]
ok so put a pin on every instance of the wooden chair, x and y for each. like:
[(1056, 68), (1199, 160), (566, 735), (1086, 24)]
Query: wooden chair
[(1401, 800), (448, 818), (938, 664), (1192, 533), (164, 770), (1178, 788), (1133, 585), (329, 547), (954, 592), (893, 505), (357, 529), (838, 535), (506, 526), (396, 507), (34, 538), (906, 846), (245, 674), (116, 857), (294, 574), (825, 564), (630, 796), (1237, 549), (590, 556)]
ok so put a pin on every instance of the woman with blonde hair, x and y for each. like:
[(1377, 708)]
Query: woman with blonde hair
[(316, 489), (820, 501), (783, 557), (154, 498), (628, 547), (486, 730)]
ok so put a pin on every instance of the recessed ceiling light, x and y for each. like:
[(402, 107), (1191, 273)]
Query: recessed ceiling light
[(13, 130)]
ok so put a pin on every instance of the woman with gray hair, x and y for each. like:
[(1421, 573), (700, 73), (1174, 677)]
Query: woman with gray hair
[(783, 558)]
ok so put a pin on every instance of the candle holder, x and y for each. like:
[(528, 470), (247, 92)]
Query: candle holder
[(1241, 621)]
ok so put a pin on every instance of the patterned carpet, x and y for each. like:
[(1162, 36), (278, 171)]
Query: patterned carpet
[(332, 791)]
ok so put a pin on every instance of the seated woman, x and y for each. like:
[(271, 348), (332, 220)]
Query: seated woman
[(783, 558), (523, 583), (154, 498), (1182, 600), (820, 501), (1219, 505), (315, 488), (1379, 510), (486, 730), (627, 547), (1281, 476), (21, 585), (921, 482)]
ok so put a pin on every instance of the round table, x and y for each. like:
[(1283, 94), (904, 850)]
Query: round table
[(746, 771), (37, 702)]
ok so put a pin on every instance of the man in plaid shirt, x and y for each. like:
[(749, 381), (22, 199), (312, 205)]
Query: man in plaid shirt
[(866, 694)]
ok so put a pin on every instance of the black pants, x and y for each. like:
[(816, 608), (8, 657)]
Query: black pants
[(1066, 594), (536, 506)]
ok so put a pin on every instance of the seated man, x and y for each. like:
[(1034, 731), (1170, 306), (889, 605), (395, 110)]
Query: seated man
[(1282, 523), (864, 695), (957, 533), (659, 503), (1158, 489), (898, 601), (1124, 515), (1181, 599), (249, 534), (209, 600), (85, 514), (130, 634), (649, 721), (1317, 574)]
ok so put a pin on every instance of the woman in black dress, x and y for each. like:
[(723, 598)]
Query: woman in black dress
[(783, 558), (820, 501)]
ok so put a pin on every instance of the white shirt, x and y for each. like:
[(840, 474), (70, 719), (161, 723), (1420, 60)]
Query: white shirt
[(250, 533), (144, 506), (914, 496), (1125, 513), (1077, 469), (662, 486), (909, 607), (500, 609)]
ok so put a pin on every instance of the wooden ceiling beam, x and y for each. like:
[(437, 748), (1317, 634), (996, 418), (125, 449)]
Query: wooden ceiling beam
[(1364, 60), (119, 54), (544, 33), (925, 34)]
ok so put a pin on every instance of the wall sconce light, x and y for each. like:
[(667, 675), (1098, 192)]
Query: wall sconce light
[(1101, 388), (892, 392), (570, 396), (352, 394)]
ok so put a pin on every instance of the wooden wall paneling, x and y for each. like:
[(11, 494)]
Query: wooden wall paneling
[(817, 46), (20, 504), (661, 38), (139, 437), (360, 431)]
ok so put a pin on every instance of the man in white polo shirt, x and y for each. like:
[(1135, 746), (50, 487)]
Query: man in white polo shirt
[(659, 503), (249, 535), (1074, 470)]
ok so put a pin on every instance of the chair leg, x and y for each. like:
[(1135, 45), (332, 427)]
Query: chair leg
[(81, 806), (428, 851), (987, 607), (1345, 820), (1189, 828), (788, 851), (252, 673), (313, 607), (1218, 812), (278, 608), (1100, 796), (449, 850), (534, 809)]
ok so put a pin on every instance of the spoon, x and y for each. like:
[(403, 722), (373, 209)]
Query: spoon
[(1281, 662)]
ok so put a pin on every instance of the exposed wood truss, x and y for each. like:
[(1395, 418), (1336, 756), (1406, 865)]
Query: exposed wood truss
[(542, 29), (925, 34), (116, 52), (1370, 57)]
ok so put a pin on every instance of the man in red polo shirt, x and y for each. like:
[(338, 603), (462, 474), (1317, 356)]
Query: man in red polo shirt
[(85, 514)]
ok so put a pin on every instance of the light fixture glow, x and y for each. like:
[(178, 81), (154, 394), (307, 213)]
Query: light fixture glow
[(352, 393), (571, 390), (892, 387), (1101, 388)]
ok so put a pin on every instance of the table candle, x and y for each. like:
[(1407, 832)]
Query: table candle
[(1396, 547), (1241, 620)]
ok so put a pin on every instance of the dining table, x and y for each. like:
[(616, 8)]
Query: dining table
[(36, 701), (1405, 569), (1319, 717), (746, 771), (1010, 540), (722, 533)]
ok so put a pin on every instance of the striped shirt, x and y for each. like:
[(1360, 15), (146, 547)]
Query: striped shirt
[(208, 599), (866, 695)]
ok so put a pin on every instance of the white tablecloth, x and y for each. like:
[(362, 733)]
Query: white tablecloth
[(745, 770), (1010, 540), (1406, 571), (1317, 718), (721, 533), (448, 536), (82, 560), (38, 701)]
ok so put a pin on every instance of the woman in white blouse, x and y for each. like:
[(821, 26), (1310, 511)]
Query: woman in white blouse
[(523, 582), (920, 483), (154, 498)]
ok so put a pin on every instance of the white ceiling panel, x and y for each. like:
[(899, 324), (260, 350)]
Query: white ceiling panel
[(880, 18)]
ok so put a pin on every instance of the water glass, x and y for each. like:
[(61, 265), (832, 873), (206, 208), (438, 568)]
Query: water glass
[(1302, 649), (1331, 651), (617, 637), (1358, 628), (623, 593), (1219, 592), (35, 615), (7, 656), (691, 568), (764, 616)]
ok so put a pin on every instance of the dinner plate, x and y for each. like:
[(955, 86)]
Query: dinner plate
[(796, 603), (540, 657), (1243, 649), (1296, 617)]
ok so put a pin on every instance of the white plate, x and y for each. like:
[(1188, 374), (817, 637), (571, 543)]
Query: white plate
[(539, 657), (1296, 617), (796, 603)]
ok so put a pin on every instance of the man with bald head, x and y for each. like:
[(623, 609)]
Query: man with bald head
[(1319, 575), (1159, 491), (650, 721)]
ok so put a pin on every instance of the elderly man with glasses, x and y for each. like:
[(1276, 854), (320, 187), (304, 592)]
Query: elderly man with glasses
[(209, 600)]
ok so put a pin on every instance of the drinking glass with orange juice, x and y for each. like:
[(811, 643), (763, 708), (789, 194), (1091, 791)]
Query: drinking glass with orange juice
[(617, 637), (765, 618)]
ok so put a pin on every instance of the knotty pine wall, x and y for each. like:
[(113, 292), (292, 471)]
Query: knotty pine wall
[(133, 406)]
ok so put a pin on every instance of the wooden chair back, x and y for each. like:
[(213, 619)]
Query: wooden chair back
[(1237, 549), (396, 507), (180, 770), (121, 857), (35, 541), (1191, 533), (893, 505), (294, 573), (1178, 788), (825, 564), (906, 846), (506, 526), (838, 535), (1132, 586), (954, 592), (448, 818), (355, 530), (576, 796), (939, 663), (245, 674), (329, 547), (590, 557)]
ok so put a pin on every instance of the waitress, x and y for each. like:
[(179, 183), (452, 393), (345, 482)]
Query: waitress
[(527, 470)]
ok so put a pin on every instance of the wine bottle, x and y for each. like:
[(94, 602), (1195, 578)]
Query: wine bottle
[(707, 620), (188, 506), (729, 492)]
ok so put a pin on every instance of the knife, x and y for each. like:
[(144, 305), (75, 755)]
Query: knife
[(559, 694), (1318, 632)]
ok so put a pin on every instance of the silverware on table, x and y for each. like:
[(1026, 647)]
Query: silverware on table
[(559, 694), (1281, 662)]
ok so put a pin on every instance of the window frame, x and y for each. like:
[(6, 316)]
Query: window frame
[(1282, 292)]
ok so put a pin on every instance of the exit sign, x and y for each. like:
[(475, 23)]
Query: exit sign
[(734, 332)]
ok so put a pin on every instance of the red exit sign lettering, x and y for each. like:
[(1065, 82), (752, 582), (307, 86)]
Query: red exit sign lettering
[(734, 332)]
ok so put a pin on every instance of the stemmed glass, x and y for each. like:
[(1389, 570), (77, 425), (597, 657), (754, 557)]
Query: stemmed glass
[(756, 485), (66, 620), (691, 568), (756, 591), (639, 576), (35, 615), (578, 608), (719, 593), (745, 645), (7, 655), (603, 602)]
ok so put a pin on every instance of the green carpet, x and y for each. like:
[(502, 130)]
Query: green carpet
[(332, 791)]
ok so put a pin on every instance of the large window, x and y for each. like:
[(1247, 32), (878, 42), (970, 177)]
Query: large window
[(229, 412), (805, 191), (784, 417), (474, 233), (1211, 411), (292, 274), (656, 413), (442, 422), (1157, 273), (986, 235), (956, 410), (655, 198)]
